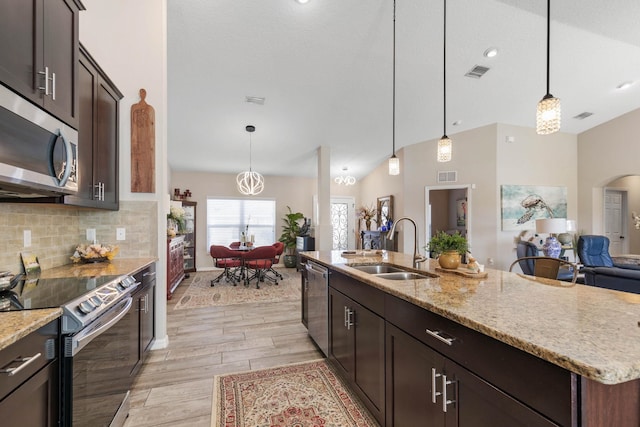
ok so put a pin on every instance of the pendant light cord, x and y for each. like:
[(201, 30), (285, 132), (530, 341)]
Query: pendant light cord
[(548, 38), (393, 121), (444, 70), (250, 149)]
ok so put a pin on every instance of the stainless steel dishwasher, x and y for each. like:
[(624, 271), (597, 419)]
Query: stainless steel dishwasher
[(318, 310)]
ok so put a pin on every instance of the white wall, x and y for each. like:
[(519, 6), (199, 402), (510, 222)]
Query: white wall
[(128, 40), (606, 152)]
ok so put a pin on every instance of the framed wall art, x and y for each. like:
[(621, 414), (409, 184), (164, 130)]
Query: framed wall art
[(523, 204)]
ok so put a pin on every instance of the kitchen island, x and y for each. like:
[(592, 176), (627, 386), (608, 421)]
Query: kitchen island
[(586, 339)]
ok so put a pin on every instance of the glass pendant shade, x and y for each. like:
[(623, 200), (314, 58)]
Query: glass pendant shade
[(250, 183), (444, 149), (394, 165), (548, 115)]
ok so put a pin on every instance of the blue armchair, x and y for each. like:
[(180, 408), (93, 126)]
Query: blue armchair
[(600, 270)]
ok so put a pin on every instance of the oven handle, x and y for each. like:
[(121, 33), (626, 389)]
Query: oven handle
[(112, 317)]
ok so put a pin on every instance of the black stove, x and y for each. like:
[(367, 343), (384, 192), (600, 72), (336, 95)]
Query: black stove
[(83, 299)]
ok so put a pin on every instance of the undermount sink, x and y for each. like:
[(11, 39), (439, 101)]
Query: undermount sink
[(377, 269), (402, 275), (390, 272)]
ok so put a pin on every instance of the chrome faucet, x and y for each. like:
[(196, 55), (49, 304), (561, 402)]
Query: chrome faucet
[(417, 258)]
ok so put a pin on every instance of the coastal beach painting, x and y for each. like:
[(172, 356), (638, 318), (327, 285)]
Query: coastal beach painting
[(523, 204)]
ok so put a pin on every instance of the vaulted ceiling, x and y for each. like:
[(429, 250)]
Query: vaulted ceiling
[(325, 71)]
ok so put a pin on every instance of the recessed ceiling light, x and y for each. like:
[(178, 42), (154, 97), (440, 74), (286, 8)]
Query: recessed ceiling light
[(491, 52), (624, 85), (302, 1), (457, 123)]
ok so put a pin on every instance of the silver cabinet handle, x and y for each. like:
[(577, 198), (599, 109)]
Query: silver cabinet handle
[(349, 323), (345, 316), (53, 86), (434, 392), (26, 361), (445, 402), (46, 81), (436, 334)]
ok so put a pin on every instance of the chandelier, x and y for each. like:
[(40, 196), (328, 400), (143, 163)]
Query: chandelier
[(250, 183), (345, 179)]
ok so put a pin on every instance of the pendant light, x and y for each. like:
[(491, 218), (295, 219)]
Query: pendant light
[(394, 162), (548, 112), (444, 145), (250, 183)]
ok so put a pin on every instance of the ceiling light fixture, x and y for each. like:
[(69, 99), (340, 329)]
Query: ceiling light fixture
[(302, 1), (491, 52), (345, 179), (394, 162), (444, 145), (250, 183), (548, 112)]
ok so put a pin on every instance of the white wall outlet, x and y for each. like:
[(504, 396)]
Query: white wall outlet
[(91, 234), (27, 238), (120, 234)]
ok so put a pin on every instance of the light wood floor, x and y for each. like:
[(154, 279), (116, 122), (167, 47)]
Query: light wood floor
[(175, 385)]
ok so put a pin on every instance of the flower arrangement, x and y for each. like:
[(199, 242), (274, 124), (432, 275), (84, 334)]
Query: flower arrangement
[(176, 215), (368, 213), (94, 252)]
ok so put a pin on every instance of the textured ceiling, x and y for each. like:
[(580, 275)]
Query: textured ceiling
[(325, 69)]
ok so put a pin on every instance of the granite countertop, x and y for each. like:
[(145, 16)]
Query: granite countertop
[(590, 331), (15, 325)]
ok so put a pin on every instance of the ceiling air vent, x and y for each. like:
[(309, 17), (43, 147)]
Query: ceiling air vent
[(583, 116), (477, 71), (254, 100), (447, 176)]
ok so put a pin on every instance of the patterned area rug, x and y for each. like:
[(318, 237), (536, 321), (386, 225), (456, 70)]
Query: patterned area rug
[(303, 395), (201, 294)]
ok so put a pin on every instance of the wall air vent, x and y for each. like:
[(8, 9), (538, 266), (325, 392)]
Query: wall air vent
[(447, 176), (583, 116), (254, 100), (477, 71)]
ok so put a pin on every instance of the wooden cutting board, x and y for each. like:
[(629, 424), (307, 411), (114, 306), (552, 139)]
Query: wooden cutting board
[(143, 146)]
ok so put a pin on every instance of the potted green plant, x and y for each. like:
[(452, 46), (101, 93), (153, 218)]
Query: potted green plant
[(449, 248), (290, 231)]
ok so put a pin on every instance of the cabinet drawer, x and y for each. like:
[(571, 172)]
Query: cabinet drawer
[(541, 385), (38, 348), (365, 295)]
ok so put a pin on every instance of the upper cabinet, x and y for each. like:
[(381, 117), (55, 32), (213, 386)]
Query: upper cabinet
[(39, 53), (97, 137)]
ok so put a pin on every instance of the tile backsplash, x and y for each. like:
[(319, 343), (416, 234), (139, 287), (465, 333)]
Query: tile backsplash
[(56, 230)]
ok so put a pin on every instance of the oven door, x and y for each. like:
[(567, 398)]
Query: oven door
[(98, 361)]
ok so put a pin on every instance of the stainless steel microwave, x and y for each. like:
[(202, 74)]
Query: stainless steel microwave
[(38, 152)]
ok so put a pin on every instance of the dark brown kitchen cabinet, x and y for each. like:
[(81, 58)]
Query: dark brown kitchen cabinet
[(356, 345), (304, 303), (424, 385), (98, 137), (29, 380), (39, 53), (144, 317)]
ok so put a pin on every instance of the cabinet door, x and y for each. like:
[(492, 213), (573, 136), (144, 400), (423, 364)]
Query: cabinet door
[(60, 55), (341, 342), (20, 27), (87, 82), (479, 404), (409, 382), (147, 314), (105, 162), (304, 286), (35, 402), (369, 358)]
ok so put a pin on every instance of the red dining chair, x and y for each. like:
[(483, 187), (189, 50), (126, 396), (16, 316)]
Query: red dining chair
[(227, 259), (279, 250), (259, 261)]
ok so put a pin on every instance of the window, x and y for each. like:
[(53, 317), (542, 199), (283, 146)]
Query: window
[(228, 218)]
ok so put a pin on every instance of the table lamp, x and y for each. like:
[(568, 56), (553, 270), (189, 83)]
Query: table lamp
[(551, 226)]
